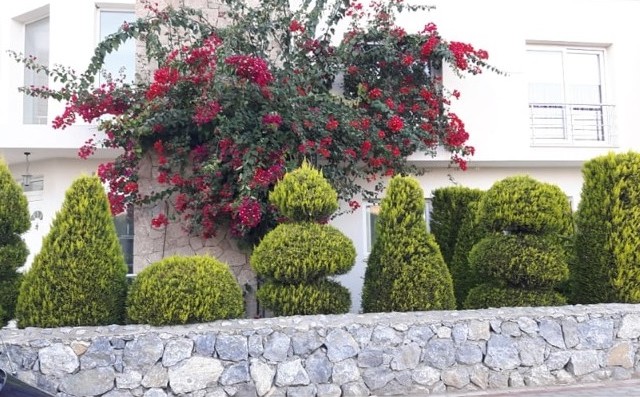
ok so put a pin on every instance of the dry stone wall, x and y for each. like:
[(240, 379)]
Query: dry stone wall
[(341, 355)]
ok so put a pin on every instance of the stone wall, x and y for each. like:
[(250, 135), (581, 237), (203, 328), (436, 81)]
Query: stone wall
[(346, 355)]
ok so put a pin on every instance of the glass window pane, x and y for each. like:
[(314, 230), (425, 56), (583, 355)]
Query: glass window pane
[(583, 78), (124, 58), (544, 73), (36, 43)]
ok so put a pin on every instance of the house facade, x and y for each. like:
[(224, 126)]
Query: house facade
[(569, 93)]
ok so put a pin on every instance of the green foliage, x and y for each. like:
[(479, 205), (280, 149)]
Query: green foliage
[(450, 206), (303, 252), (524, 205), (405, 270), (304, 195), (79, 276), (322, 297), (14, 221), (607, 265), (464, 276), (488, 295), (184, 289), (520, 260)]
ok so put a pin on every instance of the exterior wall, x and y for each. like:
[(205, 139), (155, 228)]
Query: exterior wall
[(350, 355)]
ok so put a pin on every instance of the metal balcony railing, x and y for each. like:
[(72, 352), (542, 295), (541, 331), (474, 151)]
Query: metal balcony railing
[(570, 123)]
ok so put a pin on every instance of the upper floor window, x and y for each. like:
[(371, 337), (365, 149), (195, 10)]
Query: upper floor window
[(123, 59), (36, 43), (567, 97)]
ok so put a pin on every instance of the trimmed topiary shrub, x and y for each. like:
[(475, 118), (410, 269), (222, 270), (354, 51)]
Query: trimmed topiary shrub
[(183, 290), (295, 258), (489, 295), (79, 275), (607, 263), (449, 207), (14, 221), (405, 270)]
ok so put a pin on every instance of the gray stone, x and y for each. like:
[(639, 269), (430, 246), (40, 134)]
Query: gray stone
[(629, 327), (236, 373), (177, 350), (478, 330), (128, 380), (516, 379), (276, 392), (528, 325), (277, 346), (459, 333), (302, 391), (502, 353), (143, 352), (425, 375), (583, 362), (205, 345), (361, 333), (564, 378), (99, 354), (468, 353), (385, 336), (305, 343), (318, 367), (479, 376), (551, 331), (596, 334), (539, 376), (420, 334), (240, 390), (406, 357), (155, 393), (193, 374), (58, 359), (558, 360), (368, 358), (443, 332), (262, 375), (570, 332), (510, 328), (291, 373), (355, 389), (330, 390), (621, 373), (531, 351), (438, 388), (156, 377), (117, 343), (232, 347), (404, 377), (393, 388), (457, 377), (345, 371), (622, 355), (256, 347), (498, 380), (376, 378), (440, 353), (118, 393), (92, 382), (340, 345), (495, 325)]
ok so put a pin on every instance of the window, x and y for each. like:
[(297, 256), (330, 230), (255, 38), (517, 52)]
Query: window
[(372, 211), (566, 96), (36, 43), (124, 228), (122, 60)]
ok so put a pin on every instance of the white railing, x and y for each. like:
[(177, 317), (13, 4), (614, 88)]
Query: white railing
[(570, 123)]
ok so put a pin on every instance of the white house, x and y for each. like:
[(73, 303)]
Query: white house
[(571, 93)]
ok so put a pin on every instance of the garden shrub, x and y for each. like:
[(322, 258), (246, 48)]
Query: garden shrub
[(489, 295), (182, 290), (405, 270), (607, 263), (450, 205), (323, 296), (79, 275)]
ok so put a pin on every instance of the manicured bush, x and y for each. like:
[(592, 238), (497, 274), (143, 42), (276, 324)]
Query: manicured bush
[(79, 276), (607, 264), (182, 290), (304, 195), (405, 270), (14, 221), (450, 205), (489, 295), (298, 252), (324, 296)]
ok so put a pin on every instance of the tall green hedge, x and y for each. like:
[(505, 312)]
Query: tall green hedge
[(14, 221), (405, 270), (607, 263), (79, 275), (464, 276)]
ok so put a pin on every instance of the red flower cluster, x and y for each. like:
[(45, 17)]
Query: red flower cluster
[(159, 221), (163, 79), (296, 26), (206, 112), (252, 68), (272, 119)]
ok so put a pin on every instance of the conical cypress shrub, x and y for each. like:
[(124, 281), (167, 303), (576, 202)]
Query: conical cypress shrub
[(464, 276), (405, 270), (79, 276), (14, 221)]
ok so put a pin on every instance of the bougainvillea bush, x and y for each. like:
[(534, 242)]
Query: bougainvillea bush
[(227, 111)]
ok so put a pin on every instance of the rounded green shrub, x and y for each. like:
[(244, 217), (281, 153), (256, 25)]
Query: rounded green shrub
[(322, 297), (79, 275), (405, 270), (304, 195), (489, 295), (298, 252), (520, 260), (183, 290), (521, 204)]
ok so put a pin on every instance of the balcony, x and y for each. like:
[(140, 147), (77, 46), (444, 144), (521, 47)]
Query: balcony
[(571, 124)]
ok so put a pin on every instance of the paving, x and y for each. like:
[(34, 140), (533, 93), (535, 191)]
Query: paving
[(626, 388)]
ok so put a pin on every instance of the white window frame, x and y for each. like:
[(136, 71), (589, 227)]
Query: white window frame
[(604, 108), (100, 8), (29, 19)]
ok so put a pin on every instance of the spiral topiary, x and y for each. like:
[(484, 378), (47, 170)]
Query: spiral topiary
[(323, 296), (489, 295), (182, 290)]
